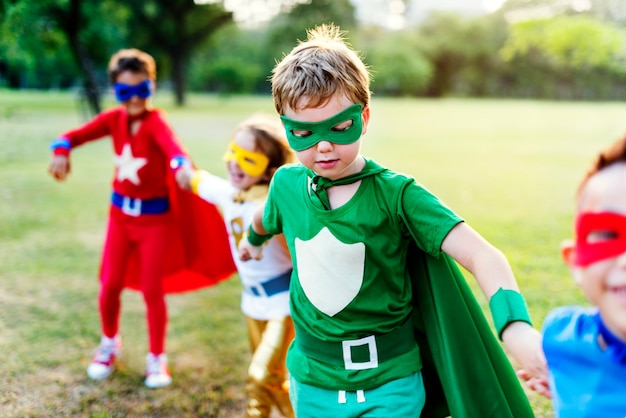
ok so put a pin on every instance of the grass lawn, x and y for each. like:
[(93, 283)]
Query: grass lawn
[(509, 168)]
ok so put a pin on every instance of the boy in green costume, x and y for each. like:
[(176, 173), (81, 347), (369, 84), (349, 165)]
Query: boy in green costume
[(385, 325)]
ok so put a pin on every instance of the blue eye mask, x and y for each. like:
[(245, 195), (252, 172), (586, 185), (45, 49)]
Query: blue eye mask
[(125, 92), (303, 135)]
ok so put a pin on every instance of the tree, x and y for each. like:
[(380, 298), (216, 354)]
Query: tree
[(397, 66), (174, 29), (463, 51), (569, 42), (71, 20), (576, 55), (288, 28), (37, 33), (218, 68)]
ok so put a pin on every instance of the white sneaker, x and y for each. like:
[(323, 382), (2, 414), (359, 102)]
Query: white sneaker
[(103, 362), (157, 373)]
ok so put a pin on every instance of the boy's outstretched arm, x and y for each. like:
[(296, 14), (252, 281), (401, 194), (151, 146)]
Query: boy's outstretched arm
[(258, 234), (493, 273)]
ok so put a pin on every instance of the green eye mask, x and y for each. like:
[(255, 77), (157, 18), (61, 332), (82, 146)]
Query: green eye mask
[(303, 135)]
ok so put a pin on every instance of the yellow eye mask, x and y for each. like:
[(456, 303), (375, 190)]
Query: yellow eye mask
[(251, 162)]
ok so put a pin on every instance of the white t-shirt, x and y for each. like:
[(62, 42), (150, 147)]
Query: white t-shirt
[(276, 259)]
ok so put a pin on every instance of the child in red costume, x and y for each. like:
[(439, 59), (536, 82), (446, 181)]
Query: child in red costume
[(145, 150)]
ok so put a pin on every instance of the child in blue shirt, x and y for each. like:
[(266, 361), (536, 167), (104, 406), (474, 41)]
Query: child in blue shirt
[(586, 346)]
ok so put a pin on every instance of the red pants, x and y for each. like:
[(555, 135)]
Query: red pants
[(146, 234)]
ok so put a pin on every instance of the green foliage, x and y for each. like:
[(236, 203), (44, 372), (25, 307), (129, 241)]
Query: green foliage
[(397, 65), (462, 51), (569, 42), (173, 30), (575, 55), (288, 28), (567, 57), (163, 26), (33, 47), (102, 37), (215, 68)]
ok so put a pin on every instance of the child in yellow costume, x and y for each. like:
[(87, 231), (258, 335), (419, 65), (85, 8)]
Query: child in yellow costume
[(257, 149)]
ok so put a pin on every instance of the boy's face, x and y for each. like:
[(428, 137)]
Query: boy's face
[(329, 159), (135, 105), (599, 268)]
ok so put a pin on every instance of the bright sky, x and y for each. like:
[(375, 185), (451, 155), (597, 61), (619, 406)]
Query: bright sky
[(491, 5), (256, 11), (253, 11)]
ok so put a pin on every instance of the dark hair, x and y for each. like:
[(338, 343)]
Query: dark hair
[(132, 60), (613, 154)]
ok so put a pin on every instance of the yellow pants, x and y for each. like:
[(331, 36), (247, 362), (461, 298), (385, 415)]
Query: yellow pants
[(268, 383)]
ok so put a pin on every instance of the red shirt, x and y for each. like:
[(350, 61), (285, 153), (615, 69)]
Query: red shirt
[(141, 160)]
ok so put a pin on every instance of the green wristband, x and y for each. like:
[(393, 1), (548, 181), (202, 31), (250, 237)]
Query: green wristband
[(256, 239), (508, 306)]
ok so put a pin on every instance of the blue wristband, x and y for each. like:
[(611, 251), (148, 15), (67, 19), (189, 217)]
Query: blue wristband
[(179, 161), (60, 143)]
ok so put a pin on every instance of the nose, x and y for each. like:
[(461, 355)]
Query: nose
[(324, 146), (233, 165)]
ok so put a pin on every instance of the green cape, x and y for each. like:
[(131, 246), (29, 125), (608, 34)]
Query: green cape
[(466, 372)]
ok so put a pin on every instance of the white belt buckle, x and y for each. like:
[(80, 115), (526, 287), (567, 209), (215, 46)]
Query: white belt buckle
[(260, 290), (131, 207), (347, 353)]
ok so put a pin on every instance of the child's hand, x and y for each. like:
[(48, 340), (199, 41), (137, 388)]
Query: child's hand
[(248, 251), (183, 177), (59, 167), (536, 384), (523, 342)]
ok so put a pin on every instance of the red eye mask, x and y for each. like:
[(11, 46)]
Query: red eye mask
[(599, 236)]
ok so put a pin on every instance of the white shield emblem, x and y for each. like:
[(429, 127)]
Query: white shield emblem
[(330, 271)]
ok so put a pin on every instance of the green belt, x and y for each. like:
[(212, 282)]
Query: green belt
[(363, 353)]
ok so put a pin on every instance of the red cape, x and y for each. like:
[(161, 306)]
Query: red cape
[(198, 254)]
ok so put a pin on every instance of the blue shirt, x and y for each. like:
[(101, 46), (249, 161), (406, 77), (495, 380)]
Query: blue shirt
[(585, 381)]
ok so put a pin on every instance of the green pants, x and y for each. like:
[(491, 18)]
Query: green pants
[(401, 398)]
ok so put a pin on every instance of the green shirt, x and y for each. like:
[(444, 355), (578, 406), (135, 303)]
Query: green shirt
[(350, 278)]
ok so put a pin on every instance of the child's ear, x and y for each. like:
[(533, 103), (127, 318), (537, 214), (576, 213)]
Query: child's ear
[(568, 252), (366, 119)]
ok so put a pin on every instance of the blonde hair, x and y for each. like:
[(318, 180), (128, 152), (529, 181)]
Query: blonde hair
[(319, 68), (269, 139), (132, 60)]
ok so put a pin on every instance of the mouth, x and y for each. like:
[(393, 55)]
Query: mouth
[(618, 291), (236, 176), (327, 163)]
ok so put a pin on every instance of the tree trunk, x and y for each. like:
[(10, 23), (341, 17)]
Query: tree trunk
[(72, 29), (179, 65)]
